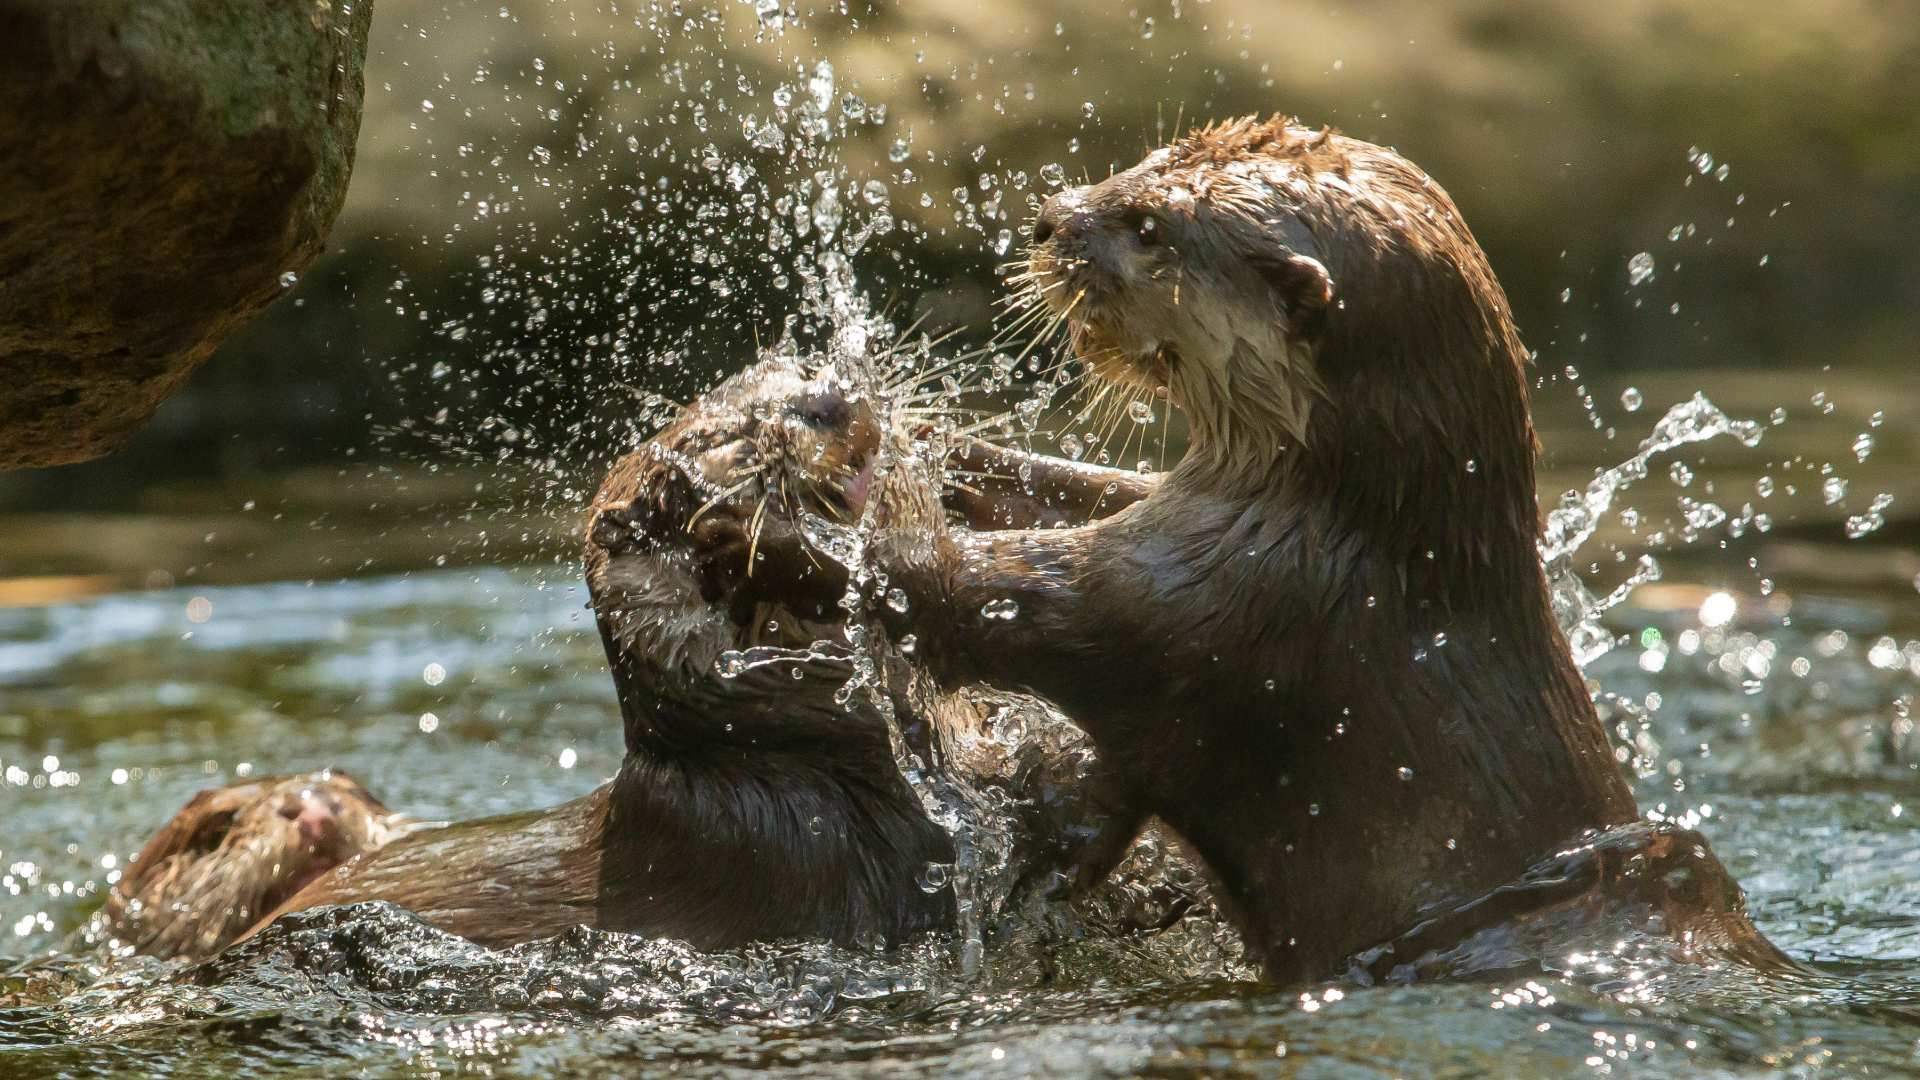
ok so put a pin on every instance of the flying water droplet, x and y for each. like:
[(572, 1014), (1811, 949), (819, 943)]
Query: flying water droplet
[(1002, 610), (1860, 525), (1640, 268), (935, 877)]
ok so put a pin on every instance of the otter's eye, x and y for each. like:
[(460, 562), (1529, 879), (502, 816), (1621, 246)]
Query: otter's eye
[(829, 410), (1146, 227)]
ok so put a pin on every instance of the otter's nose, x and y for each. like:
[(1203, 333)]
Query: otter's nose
[(1053, 215), (316, 820), (828, 408)]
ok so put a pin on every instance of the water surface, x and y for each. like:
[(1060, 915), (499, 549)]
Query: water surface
[(461, 693)]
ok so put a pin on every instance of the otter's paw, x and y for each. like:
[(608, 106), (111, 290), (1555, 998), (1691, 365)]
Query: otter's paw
[(748, 557)]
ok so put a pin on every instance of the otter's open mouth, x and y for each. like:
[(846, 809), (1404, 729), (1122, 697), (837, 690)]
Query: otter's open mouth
[(833, 469), (854, 489), (1145, 365)]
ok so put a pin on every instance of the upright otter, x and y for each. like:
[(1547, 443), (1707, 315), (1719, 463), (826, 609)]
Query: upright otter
[(751, 805), (748, 807), (1321, 648)]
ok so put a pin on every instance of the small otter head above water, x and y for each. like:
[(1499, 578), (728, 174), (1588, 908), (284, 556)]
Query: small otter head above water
[(1268, 274), (787, 436), (233, 854)]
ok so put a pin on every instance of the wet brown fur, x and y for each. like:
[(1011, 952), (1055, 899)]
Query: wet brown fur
[(1321, 648), (233, 854), (747, 808), (756, 806)]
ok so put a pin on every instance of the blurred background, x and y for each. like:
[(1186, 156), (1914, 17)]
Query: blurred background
[(562, 208), (568, 214)]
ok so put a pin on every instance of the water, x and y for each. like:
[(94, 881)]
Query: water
[(111, 716)]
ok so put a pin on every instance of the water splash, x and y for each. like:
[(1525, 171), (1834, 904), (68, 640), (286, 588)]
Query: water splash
[(1572, 523)]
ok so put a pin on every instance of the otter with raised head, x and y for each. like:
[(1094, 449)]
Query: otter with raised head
[(751, 805), (1321, 648), (748, 807)]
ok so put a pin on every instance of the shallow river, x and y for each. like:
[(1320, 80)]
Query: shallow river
[(458, 694)]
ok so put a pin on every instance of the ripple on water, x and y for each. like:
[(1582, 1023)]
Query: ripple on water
[(1830, 870)]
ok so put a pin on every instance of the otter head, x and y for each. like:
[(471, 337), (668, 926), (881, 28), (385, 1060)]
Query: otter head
[(786, 439), (788, 436), (1279, 282), (233, 854)]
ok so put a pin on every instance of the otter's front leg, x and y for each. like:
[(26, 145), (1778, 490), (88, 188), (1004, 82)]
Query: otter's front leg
[(1009, 609), (1015, 610), (999, 487)]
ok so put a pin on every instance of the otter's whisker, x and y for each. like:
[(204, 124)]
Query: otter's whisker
[(916, 378), (1136, 430), (1021, 320), (832, 506), (983, 425), (1165, 423), (1061, 317), (753, 533), (716, 500), (1116, 410), (1100, 394), (958, 486)]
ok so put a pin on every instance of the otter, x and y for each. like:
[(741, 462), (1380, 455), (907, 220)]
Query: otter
[(1320, 648), (751, 805), (233, 854)]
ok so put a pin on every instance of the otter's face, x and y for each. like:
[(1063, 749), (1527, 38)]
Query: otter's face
[(236, 853), (1193, 273), (780, 440), (776, 436), (820, 439)]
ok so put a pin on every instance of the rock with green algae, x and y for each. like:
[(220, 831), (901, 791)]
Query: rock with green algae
[(170, 165)]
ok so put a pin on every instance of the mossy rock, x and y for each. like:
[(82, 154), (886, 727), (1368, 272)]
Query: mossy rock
[(168, 163)]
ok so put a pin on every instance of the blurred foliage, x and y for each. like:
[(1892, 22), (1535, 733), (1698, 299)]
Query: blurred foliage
[(547, 217)]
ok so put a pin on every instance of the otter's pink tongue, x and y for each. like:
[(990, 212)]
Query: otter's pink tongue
[(857, 487)]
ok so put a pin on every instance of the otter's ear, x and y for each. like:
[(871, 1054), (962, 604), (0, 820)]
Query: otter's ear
[(1303, 287)]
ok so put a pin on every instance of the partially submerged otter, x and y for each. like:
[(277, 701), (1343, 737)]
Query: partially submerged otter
[(1321, 648), (233, 854), (752, 804)]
